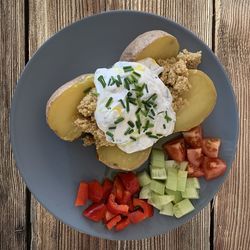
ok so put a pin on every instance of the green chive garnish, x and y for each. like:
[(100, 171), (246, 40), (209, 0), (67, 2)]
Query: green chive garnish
[(150, 125), (127, 104), (132, 138), (109, 83), (110, 135), (133, 79), (114, 127), (122, 103), (152, 112), (110, 100), (150, 116), (126, 84), (132, 100), (152, 97), (160, 112), (118, 120), (138, 126), (102, 81), (127, 131), (95, 94), (167, 118), (127, 68), (137, 74), (87, 90), (119, 79), (146, 86), (164, 126), (138, 110), (131, 124), (159, 134), (138, 117), (146, 126), (149, 134)]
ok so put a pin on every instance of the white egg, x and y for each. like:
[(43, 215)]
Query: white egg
[(134, 107)]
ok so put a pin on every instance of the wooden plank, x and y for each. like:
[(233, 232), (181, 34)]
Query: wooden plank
[(12, 190), (232, 217), (47, 17)]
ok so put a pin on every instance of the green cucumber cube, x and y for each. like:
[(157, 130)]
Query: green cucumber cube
[(157, 187), (182, 208), (157, 158), (171, 182), (176, 194), (153, 204), (145, 192), (181, 180), (183, 165), (190, 193), (161, 199), (167, 209), (158, 173), (193, 182), (143, 178)]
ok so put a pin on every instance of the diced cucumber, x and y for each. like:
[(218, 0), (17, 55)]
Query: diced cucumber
[(183, 165), (193, 182), (181, 180), (182, 208), (143, 178), (167, 209), (171, 182), (190, 193), (145, 192), (157, 187), (158, 173), (171, 164), (157, 158), (176, 194), (161, 199), (153, 204)]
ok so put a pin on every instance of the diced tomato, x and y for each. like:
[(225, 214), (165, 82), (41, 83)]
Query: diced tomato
[(95, 191), (213, 167), (95, 212), (193, 137), (210, 147), (136, 216), (114, 207), (82, 194), (176, 149), (107, 188), (130, 182), (126, 197), (195, 171), (146, 207), (118, 189), (122, 224), (195, 156), (113, 222), (108, 216)]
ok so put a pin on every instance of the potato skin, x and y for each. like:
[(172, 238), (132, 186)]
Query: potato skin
[(143, 41)]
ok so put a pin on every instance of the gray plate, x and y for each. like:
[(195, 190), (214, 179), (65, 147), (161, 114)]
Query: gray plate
[(52, 168)]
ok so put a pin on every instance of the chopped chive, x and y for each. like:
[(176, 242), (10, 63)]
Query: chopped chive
[(146, 126), (159, 134), (145, 113), (167, 118), (155, 105), (152, 112), (149, 134), (127, 131), (150, 116), (138, 110), (102, 81), (146, 87), (150, 125), (137, 74), (160, 112), (153, 97), (138, 126), (110, 135), (132, 138), (130, 131), (87, 90), (131, 124), (114, 127), (95, 94), (122, 103), (126, 84), (128, 68), (127, 105), (110, 100), (134, 79), (118, 120), (129, 94), (132, 100), (119, 79), (164, 126), (138, 117), (109, 83)]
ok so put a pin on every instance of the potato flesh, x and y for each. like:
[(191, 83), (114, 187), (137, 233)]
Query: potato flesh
[(163, 47), (201, 99), (117, 159), (62, 109)]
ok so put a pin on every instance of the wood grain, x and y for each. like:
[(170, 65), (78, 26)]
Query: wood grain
[(47, 17), (12, 190), (232, 217)]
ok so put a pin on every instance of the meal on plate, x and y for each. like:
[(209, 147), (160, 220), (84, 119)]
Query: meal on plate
[(153, 91)]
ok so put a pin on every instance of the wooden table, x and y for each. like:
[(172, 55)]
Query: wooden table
[(223, 25)]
